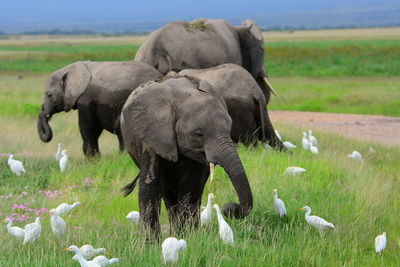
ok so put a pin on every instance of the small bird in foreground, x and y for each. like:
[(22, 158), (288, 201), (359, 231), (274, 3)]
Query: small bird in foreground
[(64, 208), (16, 166), (312, 138), (133, 217), (63, 161), (289, 145), (16, 231), (225, 231), (305, 143), (170, 249), (313, 149), (88, 252), (58, 225), (380, 243), (206, 214), (103, 261), (58, 153), (355, 155), (279, 205), (294, 170), (32, 231), (315, 221), (278, 135), (79, 257)]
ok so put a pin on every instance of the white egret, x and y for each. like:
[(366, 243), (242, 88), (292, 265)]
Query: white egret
[(32, 231), (355, 155), (88, 252), (16, 231), (16, 166), (279, 205), (294, 170), (225, 231), (313, 149), (170, 249), (304, 142), (289, 145), (57, 223), (63, 161), (79, 257), (103, 261), (65, 208), (206, 214), (315, 221), (312, 138), (278, 135), (380, 243), (58, 153), (133, 217)]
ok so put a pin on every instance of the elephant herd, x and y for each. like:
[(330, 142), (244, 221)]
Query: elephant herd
[(194, 90)]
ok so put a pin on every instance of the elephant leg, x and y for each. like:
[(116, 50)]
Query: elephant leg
[(90, 130)]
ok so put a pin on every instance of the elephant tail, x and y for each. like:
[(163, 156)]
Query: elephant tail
[(129, 187)]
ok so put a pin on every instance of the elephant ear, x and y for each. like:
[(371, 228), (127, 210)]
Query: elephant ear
[(76, 81), (253, 28), (150, 117)]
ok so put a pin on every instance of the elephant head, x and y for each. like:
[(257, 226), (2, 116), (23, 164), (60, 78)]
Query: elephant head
[(183, 117), (62, 90)]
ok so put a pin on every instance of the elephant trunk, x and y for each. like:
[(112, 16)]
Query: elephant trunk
[(44, 130), (224, 153)]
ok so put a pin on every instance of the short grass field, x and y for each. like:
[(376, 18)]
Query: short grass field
[(361, 199)]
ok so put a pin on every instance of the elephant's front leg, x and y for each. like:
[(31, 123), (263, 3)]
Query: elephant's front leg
[(90, 130)]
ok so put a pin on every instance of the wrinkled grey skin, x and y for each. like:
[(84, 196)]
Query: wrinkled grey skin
[(98, 90), (172, 130), (203, 44), (245, 102)]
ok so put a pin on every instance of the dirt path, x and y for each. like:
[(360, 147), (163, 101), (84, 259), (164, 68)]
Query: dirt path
[(380, 129)]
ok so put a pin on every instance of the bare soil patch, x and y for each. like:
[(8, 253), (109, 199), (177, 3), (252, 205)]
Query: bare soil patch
[(379, 129)]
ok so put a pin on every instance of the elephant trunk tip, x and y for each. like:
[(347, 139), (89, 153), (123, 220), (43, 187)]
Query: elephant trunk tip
[(236, 211)]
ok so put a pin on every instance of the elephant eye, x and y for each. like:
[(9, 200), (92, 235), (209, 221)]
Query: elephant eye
[(199, 133), (48, 94)]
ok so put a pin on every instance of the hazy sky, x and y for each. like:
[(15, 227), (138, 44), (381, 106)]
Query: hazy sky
[(105, 10)]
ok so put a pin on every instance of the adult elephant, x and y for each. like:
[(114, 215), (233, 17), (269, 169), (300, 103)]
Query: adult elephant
[(245, 102), (98, 90), (173, 129), (207, 43)]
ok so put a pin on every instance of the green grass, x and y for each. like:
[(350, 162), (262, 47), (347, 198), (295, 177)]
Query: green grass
[(362, 200)]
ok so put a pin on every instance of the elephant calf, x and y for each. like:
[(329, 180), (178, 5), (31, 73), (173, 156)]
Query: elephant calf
[(245, 101), (98, 90), (173, 129)]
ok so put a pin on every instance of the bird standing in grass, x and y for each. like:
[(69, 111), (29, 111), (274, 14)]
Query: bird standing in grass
[(133, 217), (57, 223), (16, 166), (305, 143), (88, 252), (79, 257), (279, 205), (380, 243), (355, 155), (58, 153), (170, 249), (312, 139), (315, 221), (64, 208), (313, 149), (225, 231), (16, 231), (63, 161), (103, 261), (294, 170), (32, 231), (206, 214), (288, 145)]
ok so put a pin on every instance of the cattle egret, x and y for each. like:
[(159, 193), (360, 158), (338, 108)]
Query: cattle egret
[(57, 223), (355, 155), (170, 249), (103, 261), (16, 231), (380, 243), (278, 135), (212, 169), (313, 149), (279, 206), (133, 216), (79, 257), (304, 142), (16, 166), (63, 161), (205, 216), (88, 252), (315, 221), (289, 145), (294, 170), (225, 231), (312, 139), (32, 231), (58, 153), (65, 208)]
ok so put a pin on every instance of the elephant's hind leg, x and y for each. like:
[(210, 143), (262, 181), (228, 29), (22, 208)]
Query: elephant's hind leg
[(90, 130)]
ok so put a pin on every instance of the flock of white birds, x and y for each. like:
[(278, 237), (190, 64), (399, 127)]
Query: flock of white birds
[(171, 246)]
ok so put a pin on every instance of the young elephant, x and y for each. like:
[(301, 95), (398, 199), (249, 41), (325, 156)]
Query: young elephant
[(98, 90), (173, 129), (245, 102)]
